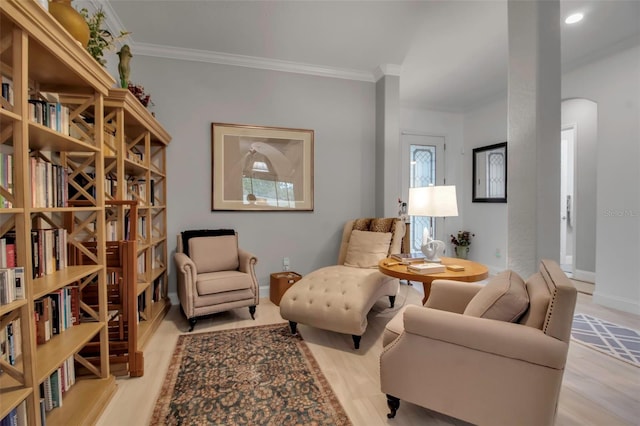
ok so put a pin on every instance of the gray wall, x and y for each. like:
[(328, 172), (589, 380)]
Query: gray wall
[(189, 96), (614, 84), (583, 113), (486, 126)]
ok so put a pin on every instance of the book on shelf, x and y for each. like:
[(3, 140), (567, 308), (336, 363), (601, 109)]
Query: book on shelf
[(427, 268), (408, 257)]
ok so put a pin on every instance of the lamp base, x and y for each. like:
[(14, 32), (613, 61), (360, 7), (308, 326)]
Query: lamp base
[(433, 250)]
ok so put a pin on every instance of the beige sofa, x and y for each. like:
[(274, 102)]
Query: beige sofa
[(484, 371), (214, 274), (339, 297)]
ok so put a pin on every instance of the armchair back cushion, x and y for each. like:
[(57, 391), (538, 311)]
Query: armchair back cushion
[(367, 248), (214, 254), (504, 298)]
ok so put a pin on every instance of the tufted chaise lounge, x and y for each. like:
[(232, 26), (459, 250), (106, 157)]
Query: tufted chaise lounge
[(339, 297)]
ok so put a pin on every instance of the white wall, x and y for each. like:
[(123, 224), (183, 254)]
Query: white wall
[(614, 84), (449, 125), (189, 96), (583, 114), (485, 126)]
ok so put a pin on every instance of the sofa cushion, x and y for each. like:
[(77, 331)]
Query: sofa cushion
[(187, 235), (504, 298), (367, 248), (212, 254), (223, 281), (539, 298)]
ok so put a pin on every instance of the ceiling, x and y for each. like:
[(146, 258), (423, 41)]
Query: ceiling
[(451, 55)]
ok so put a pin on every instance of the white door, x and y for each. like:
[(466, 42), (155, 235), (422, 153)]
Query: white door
[(567, 213), (422, 165)]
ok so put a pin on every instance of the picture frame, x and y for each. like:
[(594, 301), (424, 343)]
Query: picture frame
[(261, 168), (490, 174)]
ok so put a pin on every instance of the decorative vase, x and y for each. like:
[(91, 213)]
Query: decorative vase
[(71, 20), (462, 251)]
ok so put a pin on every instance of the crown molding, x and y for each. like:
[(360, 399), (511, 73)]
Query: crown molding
[(184, 54), (386, 69)]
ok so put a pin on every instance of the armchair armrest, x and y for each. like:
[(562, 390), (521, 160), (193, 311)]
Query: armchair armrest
[(187, 273), (246, 260), (185, 265), (452, 296), (510, 340)]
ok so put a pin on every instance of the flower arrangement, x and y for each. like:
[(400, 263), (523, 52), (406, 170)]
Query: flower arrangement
[(402, 210), (100, 40), (138, 92), (463, 238)]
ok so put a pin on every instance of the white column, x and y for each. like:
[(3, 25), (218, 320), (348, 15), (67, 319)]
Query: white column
[(533, 134), (387, 144)]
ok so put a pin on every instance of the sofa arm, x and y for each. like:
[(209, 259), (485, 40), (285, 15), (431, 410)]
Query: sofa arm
[(187, 276), (510, 340), (247, 261), (452, 296)]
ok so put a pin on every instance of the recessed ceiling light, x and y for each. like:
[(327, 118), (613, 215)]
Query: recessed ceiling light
[(572, 19)]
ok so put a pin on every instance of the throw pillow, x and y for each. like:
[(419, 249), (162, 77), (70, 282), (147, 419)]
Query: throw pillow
[(504, 298), (367, 248)]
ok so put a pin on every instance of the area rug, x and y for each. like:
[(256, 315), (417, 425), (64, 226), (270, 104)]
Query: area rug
[(620, 342), (249, 376)]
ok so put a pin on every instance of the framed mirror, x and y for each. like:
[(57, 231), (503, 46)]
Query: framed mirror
[(490, 174)]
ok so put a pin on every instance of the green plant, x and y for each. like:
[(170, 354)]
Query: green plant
[(100, 40), (463, 238)]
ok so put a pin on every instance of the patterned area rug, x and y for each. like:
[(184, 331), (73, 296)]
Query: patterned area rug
[(250, 376), (620, 342)]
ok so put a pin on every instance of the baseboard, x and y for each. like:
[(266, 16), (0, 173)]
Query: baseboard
[(586, 276), (615, 302), (263, 291), (174, 299)]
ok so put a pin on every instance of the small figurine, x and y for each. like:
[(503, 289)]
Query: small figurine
[(124, 68)]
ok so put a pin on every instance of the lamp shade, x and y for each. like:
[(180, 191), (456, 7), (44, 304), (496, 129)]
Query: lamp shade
[(438, 201)]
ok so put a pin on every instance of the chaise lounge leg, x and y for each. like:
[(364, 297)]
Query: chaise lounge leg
[(356, 341), (252, 311), (392, 301), (293, 326), (393, 403), (192, 323)]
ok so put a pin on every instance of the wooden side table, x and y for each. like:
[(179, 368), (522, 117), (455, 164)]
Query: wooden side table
[(473, 271), (280, 283)]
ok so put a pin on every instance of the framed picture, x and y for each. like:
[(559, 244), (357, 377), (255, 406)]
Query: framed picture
[(490, 174), (261, 168)]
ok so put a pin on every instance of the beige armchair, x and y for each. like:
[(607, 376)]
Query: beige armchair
[(339, 297), (214, 275), (451, 357)]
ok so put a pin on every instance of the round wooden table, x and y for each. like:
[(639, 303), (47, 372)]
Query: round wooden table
[(473, 271)]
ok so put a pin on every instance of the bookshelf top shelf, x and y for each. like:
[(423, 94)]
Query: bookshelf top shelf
[(56, 59), (138, 119)]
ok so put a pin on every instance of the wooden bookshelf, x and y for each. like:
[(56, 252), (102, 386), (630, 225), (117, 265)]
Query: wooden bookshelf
[(38, 56)]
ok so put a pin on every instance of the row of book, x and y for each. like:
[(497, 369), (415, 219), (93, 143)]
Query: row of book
[(49, 251), (11, 285), (53, 388), (136, 190), (16, 417), (7, 89), (49, 112), (11, 342), (6, 177), (49, 184), (8, 251), (56, 312)]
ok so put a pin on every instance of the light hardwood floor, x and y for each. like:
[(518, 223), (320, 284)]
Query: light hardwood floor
[(597, 389)]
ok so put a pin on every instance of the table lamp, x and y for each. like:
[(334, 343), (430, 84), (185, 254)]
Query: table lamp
[(435, 201)]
